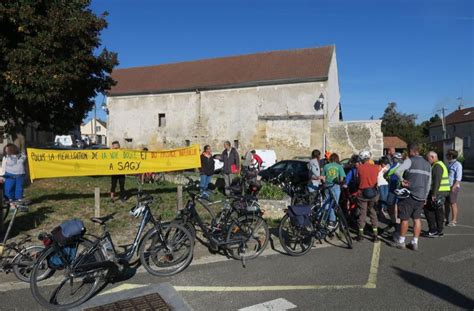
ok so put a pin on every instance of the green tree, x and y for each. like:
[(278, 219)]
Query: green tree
[(425, 125), (51, 65), (395, 123)]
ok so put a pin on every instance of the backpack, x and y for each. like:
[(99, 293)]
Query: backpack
[(69, 232), (300, 215), (55, 261), (66, 235)]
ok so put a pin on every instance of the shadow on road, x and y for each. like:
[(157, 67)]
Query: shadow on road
[(435, 288)]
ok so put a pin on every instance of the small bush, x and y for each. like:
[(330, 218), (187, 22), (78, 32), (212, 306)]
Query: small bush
[(271, 192)]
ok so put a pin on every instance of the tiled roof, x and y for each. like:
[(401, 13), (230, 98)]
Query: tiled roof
[(394, 141), (275, 67), (458, 116)]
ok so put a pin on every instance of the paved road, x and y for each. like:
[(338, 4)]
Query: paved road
[(369, 277)]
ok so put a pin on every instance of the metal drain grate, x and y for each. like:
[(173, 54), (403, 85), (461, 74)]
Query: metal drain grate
[(151, 302)]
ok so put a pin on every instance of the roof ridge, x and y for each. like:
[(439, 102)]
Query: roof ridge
[(333, 46)]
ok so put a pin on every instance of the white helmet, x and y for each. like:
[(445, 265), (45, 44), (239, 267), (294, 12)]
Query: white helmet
[(138, 210), (364, 155), (402, 193)]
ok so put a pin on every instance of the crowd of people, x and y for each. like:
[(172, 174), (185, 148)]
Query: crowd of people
[(396, 187)]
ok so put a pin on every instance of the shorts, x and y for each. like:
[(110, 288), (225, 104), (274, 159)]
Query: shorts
[(410, 208), (453, 196)]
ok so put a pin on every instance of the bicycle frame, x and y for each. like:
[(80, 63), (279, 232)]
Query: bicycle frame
[(209, 235)]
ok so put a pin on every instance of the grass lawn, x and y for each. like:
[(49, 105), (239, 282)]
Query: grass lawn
[(56, 200), (59, 199)]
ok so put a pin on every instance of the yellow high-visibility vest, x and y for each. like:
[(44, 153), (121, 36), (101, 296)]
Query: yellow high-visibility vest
[(444, 185)]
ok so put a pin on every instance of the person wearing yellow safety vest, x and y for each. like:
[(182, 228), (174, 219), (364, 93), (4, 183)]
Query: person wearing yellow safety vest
[(439, 191)]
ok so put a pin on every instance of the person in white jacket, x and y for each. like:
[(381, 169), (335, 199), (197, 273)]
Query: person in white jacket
[(13, 170)]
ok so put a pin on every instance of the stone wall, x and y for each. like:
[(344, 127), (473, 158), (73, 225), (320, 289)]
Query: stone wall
[(349, 137), (280, 117)]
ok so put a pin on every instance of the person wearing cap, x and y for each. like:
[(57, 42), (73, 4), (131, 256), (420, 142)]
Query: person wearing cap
[(368, 195), (415, 174), (438, 194)]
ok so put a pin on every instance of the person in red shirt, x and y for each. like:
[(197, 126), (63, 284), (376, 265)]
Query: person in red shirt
[(257, 158), (367, 195)]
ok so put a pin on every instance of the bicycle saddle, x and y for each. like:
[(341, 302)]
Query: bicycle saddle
[(102, 220)]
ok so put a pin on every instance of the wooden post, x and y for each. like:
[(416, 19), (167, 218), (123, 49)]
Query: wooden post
[(180, 197), (97, 202)]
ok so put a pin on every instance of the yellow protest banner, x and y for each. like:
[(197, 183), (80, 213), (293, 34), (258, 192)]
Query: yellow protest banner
[(45, 163)]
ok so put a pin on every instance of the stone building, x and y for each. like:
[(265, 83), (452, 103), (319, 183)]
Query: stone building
[(288, 101)]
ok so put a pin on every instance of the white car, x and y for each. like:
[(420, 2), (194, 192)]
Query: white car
[(268, 156)]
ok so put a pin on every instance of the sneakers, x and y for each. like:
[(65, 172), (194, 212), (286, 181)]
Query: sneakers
[(440, 234), (413, 246), (431, 234), (451, 224), (399, 245), (331, 225)]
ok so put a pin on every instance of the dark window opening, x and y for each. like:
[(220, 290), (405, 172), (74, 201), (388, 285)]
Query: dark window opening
[(236, 144), (161, 120), (128, 140), (188, 142)]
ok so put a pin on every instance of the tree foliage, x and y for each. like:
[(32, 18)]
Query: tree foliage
[(51, 67), (395, 123)]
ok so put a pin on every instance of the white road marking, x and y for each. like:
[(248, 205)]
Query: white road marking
[(279, 304), (374, 267), (371, 282), (459, 256)]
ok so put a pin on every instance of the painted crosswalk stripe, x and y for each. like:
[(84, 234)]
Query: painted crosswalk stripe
[(279, 304)]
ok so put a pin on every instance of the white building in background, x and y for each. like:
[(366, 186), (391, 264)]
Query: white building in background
[(97, 136), (281, 100)]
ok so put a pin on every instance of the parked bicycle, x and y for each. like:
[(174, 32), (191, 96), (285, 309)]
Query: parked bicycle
[(166, 249), (304, 223), (14, 256), (238, 229)]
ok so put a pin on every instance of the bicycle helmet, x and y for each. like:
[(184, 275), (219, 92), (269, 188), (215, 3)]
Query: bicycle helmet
[(397, 155), (138, 210), (364, 155), (355, 159), (402, 193)]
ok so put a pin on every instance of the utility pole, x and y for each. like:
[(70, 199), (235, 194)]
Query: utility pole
[(95, 123), (443, 122)]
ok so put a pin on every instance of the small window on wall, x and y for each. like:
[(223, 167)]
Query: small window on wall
[(466, 142), (161, 120), (188, 142), (236, 144)]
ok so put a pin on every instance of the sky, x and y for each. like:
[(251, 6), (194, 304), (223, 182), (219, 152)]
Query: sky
[(417, 53)]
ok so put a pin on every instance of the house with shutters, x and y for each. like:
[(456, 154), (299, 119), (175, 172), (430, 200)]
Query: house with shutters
[(288, 101)]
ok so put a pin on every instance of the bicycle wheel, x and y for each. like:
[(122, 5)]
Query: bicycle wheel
[(247, 237), (74, 287), (292, 239), (343, 228), (23, 264), (167, 251)]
